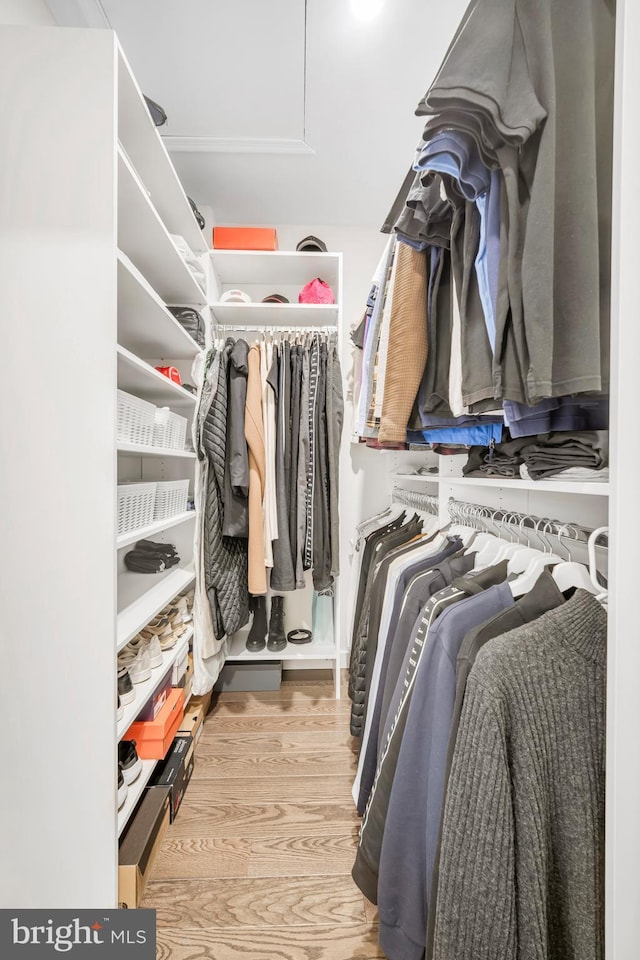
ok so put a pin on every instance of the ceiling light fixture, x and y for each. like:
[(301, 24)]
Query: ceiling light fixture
[(366, 9)]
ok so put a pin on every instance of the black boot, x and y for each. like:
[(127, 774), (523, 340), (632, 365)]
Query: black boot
[(277, 637), (256, 640)]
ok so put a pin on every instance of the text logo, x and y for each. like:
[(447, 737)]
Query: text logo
[(81, 933)]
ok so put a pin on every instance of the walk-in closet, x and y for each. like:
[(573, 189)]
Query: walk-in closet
[(319, 479)]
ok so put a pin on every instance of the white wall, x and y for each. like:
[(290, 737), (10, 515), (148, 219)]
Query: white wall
[(26, 12)]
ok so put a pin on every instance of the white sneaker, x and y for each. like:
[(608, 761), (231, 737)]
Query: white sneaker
[(153, 646), (138, 663)]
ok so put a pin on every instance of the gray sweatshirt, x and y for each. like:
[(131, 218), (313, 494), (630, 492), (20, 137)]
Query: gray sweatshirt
[(522, 858)]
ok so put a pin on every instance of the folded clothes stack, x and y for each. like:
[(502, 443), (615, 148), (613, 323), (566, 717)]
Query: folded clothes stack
[(150, 557), (557, 415), (558, 452), (581, 455)]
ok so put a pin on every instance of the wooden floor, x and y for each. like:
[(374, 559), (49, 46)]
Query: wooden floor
[(258, 862)]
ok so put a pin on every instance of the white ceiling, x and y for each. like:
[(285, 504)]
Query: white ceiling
[(240, 86)]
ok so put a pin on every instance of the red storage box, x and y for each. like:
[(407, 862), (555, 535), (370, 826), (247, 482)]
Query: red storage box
[(245, 238), (154, 737)]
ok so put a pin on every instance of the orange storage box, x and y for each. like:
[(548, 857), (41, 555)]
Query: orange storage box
[(154, 737), (245, 238)]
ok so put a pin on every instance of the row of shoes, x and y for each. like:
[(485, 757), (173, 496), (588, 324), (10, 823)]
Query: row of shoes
[(129, 768), (144, 652)]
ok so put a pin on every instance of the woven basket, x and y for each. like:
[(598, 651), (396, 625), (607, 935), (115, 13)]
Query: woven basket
[(136, 418), (136, 502), (171, 498)]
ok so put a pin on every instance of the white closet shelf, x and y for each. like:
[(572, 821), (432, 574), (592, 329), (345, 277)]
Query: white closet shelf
[(154, 528), (266, 314), (143, 237), (143, 144), (595, 489), (136, 790), (238, 652), (140, 378), (145, 326), (420, 477), (137, 611), (139, 450), (144, 691), (285, 267)]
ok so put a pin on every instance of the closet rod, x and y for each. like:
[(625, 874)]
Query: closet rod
[(473, 514), (421, 501)]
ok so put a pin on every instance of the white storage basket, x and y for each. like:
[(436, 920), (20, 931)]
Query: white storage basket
[(169, 429), (171, 498), (136, 418), (136, 502)]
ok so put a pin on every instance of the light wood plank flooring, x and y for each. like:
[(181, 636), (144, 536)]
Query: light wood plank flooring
[(258, 864)]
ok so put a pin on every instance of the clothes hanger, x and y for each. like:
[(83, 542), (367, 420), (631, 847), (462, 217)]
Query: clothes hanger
[(602, 593), (510, 550), (527, 581), (487, 555), (482, 538), (569, 574), (464, 531)]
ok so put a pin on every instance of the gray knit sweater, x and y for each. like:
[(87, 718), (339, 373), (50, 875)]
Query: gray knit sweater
[(522, 858)]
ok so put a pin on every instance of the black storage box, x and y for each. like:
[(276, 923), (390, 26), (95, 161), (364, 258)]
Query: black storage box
[(175, 771)]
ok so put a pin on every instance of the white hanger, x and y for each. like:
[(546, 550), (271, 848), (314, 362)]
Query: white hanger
[(491, 548), (510, 550), (536, 565), (602, 593), (485, 544), (570, 574), (464, 531)]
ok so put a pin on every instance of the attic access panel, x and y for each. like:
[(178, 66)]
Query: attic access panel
[(222, 70)]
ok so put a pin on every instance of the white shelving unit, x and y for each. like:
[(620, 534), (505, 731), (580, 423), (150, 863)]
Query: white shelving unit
[(136, 789), (145, 240), (147, 152), (313, 651), (280, 314), (145, 326), (137, 377), (140, 609), (594, 489), (260, 274), (144, 691), (250, 268), (158, 526), (138, 450)]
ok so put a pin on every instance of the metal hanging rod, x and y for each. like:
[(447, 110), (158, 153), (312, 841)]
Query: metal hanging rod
[(421, 501), (480, 516)]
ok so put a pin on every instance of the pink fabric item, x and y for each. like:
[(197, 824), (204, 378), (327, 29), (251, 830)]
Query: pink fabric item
[(317, 291)]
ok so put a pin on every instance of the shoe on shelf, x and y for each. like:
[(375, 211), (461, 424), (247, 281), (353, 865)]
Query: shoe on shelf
[(129, 760), (153, 646), (120, 710), (277, 636), (123, 789), (126, 693), (257, 639), (160, 627), (138, 663), (166, 641)]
